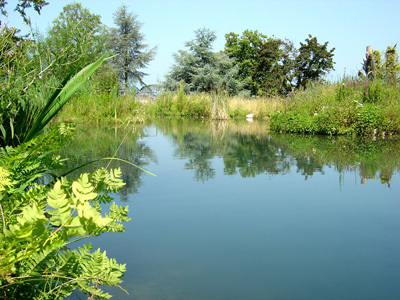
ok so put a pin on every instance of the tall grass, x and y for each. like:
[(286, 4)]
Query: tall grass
[(352, 106), (103, 107), (170, 104), (260, 107)]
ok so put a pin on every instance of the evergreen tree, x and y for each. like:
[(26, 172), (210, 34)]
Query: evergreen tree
[(201, 69), (127, 42)]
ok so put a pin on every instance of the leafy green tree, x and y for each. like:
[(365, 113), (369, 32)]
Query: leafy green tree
[(76, 37), (201, 69), (314, 61), (127, 42), (244, 49), (274, 69), (22, 5)]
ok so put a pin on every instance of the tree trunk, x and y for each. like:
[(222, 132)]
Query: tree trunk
[(369, 63)]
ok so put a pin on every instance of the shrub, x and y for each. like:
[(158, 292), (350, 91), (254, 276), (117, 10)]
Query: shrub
[(370, 120)]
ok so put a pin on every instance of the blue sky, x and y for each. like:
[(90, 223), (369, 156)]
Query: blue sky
[(348, 25)]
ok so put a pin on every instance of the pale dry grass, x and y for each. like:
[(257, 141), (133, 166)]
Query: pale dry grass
[(259, 107)]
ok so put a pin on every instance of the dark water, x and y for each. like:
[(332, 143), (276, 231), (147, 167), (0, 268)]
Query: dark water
[(236, 212)]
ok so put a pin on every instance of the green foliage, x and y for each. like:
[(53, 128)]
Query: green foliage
[(105, 79), (313, 61), (274, 70), (201, 69), (391, 65), (169, 104), (244, 51), (347, 107), (387, 69), (127, 42), (370, 118), (24, 87), (60, 97), (103, 107), (41, 221), (275, 67), (22, 118), (294, 121), (374, 91), (76, 37), (239, 113)]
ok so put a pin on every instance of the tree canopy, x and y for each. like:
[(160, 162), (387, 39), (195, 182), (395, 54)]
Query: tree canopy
[(77, 36), (243, 49), (314, 60), (201, 69), (269, 65), (127, 42)]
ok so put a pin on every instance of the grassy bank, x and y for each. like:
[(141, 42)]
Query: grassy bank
[(348, 107), (105, 108)]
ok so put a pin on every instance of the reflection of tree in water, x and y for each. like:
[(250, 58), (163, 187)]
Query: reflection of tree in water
[(371, 157), (252, 156), (198, 151), (251, 152), (103, 142), (242, 153)]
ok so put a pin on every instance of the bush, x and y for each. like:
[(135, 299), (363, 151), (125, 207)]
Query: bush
[(370, 120), (293, 121)]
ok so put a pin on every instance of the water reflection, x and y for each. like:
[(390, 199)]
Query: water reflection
[(227, 231), (92, 143), (249, 149)]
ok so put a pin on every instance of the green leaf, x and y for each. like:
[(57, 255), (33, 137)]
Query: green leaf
[(61, 96)]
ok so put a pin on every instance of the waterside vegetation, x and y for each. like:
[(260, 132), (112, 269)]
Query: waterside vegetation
[(349, 107), (69, 75)]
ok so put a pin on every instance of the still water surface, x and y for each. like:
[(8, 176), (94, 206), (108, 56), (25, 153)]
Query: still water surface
[(236, 212)]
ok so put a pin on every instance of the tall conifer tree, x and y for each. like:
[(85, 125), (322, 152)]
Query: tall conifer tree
[(127, 42)]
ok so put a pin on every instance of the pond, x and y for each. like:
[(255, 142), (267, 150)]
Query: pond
[(237, 212)]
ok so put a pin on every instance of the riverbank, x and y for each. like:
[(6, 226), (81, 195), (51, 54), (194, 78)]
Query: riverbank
[(352, 106)]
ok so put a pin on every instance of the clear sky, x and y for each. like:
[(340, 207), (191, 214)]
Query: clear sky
[(348, 25)]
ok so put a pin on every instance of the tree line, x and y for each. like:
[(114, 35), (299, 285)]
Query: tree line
[(251, 63)]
